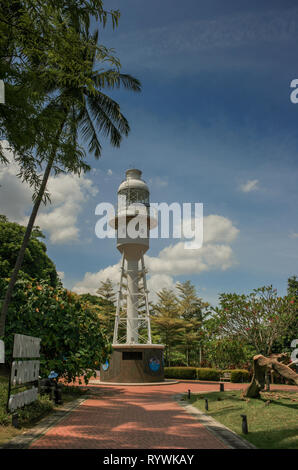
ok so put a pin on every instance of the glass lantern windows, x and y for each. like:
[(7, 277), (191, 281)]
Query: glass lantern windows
[(135, 196)]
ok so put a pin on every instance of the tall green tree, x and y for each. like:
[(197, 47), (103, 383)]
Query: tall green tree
[(227, 352), (72, 343), (77, 110), (166, 321), (192, 311), (293, 295), (105, 312), (36, 262), (107, 292), (283, 343), (258, 319), (37, 39), (293, 287)]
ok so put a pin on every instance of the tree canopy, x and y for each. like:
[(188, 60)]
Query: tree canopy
[(36, 263), (103, 307), (258, 319), (166, 322), (51, 52), (72, 343), (41, 49)]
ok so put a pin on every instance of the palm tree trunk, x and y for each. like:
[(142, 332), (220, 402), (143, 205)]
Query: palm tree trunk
[(26, 238)]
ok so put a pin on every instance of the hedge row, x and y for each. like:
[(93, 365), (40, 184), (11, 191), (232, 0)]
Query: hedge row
[(206, 373), (237, 375), (240, 375), (180, 372), (192, 373)]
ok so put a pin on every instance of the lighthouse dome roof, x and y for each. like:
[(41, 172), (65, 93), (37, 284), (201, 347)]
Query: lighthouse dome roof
[(133, 181)]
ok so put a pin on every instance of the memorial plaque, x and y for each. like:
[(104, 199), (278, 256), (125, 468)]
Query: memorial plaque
[(26, 346), (23, 398), (24, 371)]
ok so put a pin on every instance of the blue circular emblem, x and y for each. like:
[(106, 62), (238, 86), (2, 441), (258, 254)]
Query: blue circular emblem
[(105, 366), (154, 364)]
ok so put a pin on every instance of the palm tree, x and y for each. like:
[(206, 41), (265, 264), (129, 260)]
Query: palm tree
[(77, 112)]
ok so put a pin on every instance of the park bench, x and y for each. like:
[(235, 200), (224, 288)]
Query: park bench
[(226, 376)]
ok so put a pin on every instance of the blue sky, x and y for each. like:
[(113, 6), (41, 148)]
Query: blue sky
[(214, 118)]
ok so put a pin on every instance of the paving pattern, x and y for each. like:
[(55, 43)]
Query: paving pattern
[(133, 417)]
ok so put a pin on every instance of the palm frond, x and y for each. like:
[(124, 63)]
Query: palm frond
[(113, 79), (111, 110), (106, 118), (89, 134)]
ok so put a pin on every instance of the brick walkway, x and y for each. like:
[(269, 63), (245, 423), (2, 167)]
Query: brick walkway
[(123, 417)]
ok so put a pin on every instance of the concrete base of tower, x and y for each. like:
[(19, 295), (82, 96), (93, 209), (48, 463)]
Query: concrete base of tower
[(134, 363)]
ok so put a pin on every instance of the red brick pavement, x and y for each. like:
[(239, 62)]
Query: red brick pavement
[(133, 417)]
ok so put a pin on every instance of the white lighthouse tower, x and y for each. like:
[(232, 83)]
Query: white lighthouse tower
[(132, 305), (134, 358)]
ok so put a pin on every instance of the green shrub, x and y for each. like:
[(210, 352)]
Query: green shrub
[(240, 375), (5, 419), (29, 413), (70, 329), (205, 373), (180, 372), (36, 410)]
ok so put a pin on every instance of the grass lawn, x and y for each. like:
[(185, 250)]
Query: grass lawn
[(271, 425), (32, 413)]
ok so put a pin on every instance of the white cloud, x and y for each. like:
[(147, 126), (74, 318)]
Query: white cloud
[(219, 229), (250, 185), (60, 218), (109, 172), (215, 229), (159, 182), (69, 193), (156, 282), (91, 281), (293, 235), (15, 195), (175, 260)]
